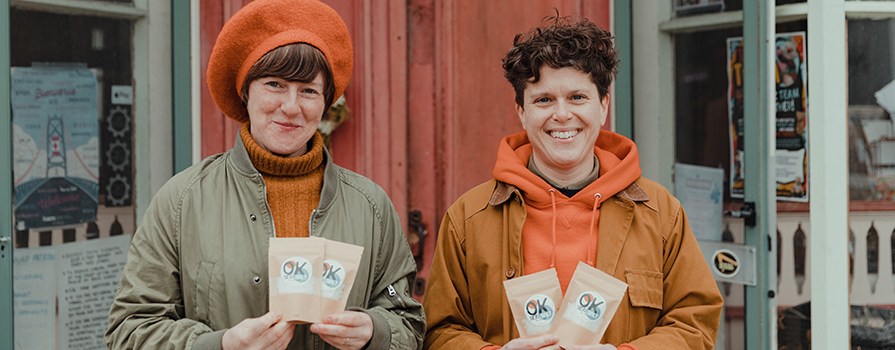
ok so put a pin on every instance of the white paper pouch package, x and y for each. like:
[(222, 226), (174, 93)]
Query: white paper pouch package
[(590, 303), (340, 266), (295, 269), (533, 301)]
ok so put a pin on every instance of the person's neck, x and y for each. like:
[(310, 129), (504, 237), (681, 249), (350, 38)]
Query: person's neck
[(566, 177)]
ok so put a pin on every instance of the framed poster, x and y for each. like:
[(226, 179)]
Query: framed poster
[(55, 146), (791, 117)]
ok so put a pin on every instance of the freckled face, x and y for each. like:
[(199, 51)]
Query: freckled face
[(562, 115), (284, 114)]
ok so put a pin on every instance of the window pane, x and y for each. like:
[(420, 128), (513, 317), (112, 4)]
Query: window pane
[(703, 137), (697, 7), (871, 67)]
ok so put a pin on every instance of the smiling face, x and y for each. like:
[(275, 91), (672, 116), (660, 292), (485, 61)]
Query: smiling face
[(562, 115), (284, 114)]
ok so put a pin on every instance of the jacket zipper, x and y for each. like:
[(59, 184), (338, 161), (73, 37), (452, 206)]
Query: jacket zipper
[(394, 294), (311, 222), (264, 187)]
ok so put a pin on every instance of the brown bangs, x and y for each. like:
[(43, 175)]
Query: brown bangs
[(294, 62)]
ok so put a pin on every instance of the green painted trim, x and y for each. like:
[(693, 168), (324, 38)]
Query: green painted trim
[(181, 85), (7, 318), (624, 81), (759, 102)]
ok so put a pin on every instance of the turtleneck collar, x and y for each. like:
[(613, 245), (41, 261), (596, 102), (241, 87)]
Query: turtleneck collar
[(271, 164)]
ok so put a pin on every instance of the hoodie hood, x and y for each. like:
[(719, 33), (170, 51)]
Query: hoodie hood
[(619, 168)]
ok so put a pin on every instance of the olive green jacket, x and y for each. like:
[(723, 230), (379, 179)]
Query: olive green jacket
[(198, 263)]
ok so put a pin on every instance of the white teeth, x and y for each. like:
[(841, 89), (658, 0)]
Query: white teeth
[(563, 134)]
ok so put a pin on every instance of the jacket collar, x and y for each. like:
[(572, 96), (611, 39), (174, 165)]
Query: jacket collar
[(239, 157), (504, 191)]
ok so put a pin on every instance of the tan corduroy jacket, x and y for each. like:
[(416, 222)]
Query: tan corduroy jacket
[(672, 301)]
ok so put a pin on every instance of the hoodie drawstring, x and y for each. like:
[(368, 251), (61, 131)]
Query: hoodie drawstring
[(591, 248), (553, 201)]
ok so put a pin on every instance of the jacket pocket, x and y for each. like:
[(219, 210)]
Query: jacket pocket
[(645, 295), (644, 288), (203, 290)]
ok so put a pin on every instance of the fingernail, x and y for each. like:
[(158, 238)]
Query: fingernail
[(277, 314)]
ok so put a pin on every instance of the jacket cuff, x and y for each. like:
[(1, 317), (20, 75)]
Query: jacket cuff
[(382, 336), (209, 341)]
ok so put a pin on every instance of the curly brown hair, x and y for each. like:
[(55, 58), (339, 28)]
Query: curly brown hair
[(561, 42)]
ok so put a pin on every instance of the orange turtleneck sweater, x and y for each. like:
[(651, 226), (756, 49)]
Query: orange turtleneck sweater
[(293, 184)]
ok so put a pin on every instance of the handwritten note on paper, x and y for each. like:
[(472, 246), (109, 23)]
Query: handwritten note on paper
[(34, 300), (88, 275)]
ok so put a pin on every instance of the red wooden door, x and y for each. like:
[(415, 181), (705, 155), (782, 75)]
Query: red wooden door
[(428, 100)]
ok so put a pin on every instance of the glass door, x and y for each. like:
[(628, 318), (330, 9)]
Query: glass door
[(741, 122), (75, 80)]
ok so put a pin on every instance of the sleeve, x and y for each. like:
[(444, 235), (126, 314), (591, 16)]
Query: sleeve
[(448, 310), (398, 319), (691, 305), (148, 310)]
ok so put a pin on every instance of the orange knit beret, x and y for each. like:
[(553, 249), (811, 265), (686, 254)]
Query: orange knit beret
[(264, 25)]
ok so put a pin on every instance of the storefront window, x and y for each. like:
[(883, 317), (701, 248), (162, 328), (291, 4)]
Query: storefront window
[(72, 119), (708, 107), (871, 100)]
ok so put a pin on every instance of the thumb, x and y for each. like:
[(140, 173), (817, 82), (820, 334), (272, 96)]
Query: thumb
[(271, 318)]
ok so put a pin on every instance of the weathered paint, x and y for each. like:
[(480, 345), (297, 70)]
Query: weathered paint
[(428, 99)]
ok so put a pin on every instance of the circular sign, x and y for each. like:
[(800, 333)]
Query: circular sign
[(726, 263)]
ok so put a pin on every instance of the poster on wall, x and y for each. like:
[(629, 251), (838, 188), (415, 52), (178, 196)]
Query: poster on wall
[(63, 293), (701, 192), (791, 117), (55, 146)]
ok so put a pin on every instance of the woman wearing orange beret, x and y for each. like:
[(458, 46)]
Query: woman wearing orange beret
[(196, 272)]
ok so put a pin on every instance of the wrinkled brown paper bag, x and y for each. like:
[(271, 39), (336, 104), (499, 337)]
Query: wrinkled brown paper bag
[(533, 301), (340, 264), (590, 303), (295, 269)]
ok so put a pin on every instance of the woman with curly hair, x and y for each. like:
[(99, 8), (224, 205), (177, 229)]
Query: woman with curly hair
[(565, 191)]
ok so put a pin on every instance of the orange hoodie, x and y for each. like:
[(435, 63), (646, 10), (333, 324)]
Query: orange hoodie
[(560, 231)]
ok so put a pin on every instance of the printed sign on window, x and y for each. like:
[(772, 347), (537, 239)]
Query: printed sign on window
[(55, 146)]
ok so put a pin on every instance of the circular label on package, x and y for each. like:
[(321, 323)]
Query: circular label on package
[(591, 305), (296, 270), (333, 274), (540, 309)]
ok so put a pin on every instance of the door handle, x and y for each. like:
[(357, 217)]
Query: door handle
[(747, 212)]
